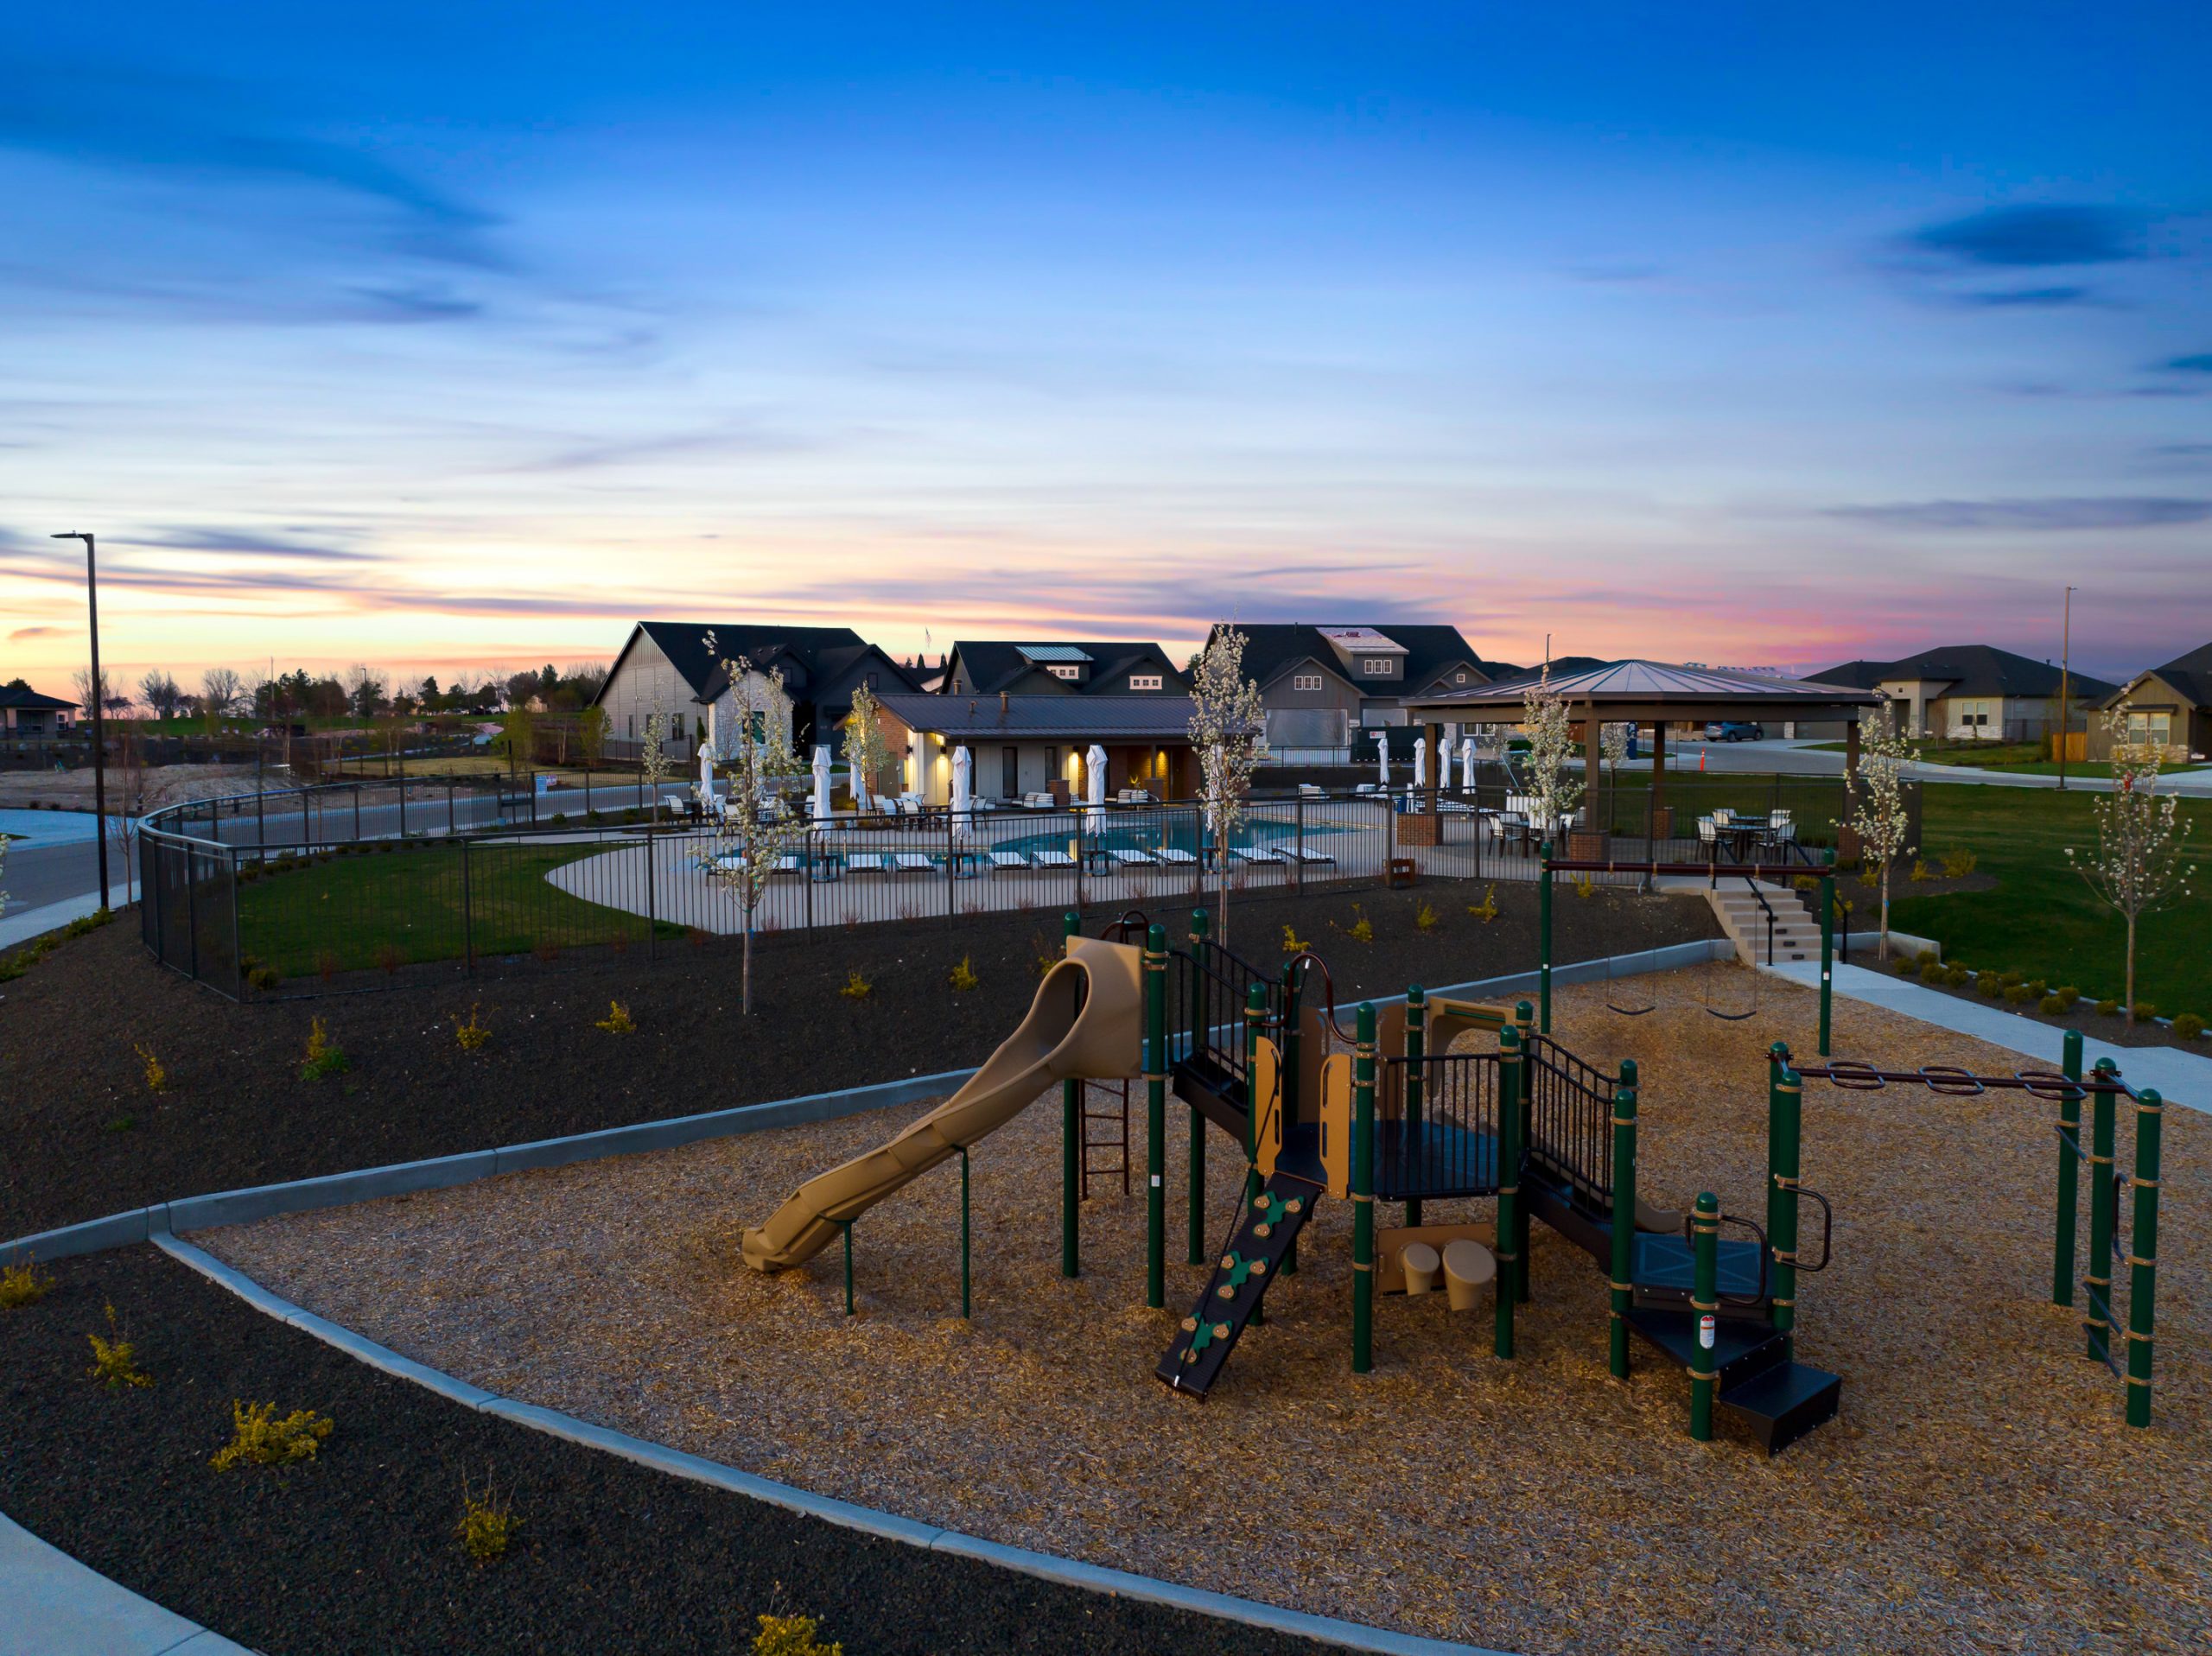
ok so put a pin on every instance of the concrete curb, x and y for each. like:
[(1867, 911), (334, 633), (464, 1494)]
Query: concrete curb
[(1068, 1572)]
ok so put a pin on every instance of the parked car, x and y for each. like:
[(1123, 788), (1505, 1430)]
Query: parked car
[(1734, 730)]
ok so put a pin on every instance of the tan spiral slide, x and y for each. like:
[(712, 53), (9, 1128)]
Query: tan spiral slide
[(1086, 1024)]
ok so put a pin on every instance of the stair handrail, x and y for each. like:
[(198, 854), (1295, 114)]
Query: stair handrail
[(1766, 909), (1759, 1294)]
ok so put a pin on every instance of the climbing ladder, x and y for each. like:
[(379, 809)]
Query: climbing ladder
[(1105, 1134), (1265, 1230)]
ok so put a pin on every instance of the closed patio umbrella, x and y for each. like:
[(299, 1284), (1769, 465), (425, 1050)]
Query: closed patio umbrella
[(1420, 763), (1444, 764), (821, 783), (1382, 760), (706, 776), (963, 790), (1093, 777), (1467, 765)]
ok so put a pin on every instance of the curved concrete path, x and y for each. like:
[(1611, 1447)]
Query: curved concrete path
[(55, 1605)]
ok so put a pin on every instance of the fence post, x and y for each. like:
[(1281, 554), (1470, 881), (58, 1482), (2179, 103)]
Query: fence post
[(1196, 1218), (1155, 1109), (964, 1301), (1704, 1301), (191, 910), (1409, 1134), (1828, 956), (2103, 1217), (652, 895), (449, 816), (1785, 1099), (1524, 1128), (1071, 1149), (1623, 1237), (2143, 1255), (1362, 1191), (1544, 941), (1508, 1180), (237, 942), (468, 919), (2069, 1152), (357, 810)]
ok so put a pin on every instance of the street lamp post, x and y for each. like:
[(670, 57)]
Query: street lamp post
[(99, 722), (2065, 696)]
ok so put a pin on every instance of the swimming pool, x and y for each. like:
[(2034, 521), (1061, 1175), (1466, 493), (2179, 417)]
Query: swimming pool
[(1178, 833)]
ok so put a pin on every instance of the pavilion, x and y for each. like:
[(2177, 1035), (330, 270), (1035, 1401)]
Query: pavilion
[(1657, 693)]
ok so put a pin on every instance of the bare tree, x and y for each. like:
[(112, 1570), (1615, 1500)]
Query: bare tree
[(2141, 835), (1874, 800), (110, 698), (653, 757), (1228, 729), (756, 829), (868, 753), (364, 690), (160, 692), (219, 688)]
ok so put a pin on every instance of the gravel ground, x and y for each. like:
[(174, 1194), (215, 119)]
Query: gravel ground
[(355, 1551), (85, 1137), (1978, 1493)]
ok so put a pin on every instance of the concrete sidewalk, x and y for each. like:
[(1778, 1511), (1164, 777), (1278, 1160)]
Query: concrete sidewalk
[(56, 1607), (2181, 1077), (20, 925)]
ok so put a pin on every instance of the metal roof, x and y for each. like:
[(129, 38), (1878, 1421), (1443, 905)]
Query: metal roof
[(1660, 683), (1051, 652), (1162, 719)]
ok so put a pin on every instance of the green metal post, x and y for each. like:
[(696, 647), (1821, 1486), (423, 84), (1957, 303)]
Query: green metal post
[(1255, 1017), (1828, 956), (1704, 1301), (1195, 1204), (1509, 1181), (1526, 1093), (1155, 1117), (1623, 1261), (1070, 1153), (1292, 1046), (2143, 1255), (2070, 1171), (1544, 941), (1362, 1192), (1784, 1137), (2103, 1220), (1416, 1052), (846, 1225), (963, 1234)]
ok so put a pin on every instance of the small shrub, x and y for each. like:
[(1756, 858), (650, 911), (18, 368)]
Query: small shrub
[(1046, 951), (260, 1438), (618, 1020), (560, 817), (1804, 883), (1932, 972), (263, 977), (857, 986), (2188, 1027), (962, 977), (2019, 994), (1585, 886), (487, 1525), (2145, 1011), (1425, 918), (2069, 993), (1988, 983), (1921, 870), (473, 1034), (1959, 862), (2050, 1006), (157, 1076), (115, 1363), (389, 958), (1956, 976), (1292, 943), (1904, 965), (2010, 979), (791, 1635), (2108, 1008), (1362, 929), (24, 1285), (1926, 957), (1485, 911), (325, 1056)]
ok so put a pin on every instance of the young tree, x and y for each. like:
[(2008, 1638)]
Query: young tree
[(755, 829), (110, 700), (1874, 800), (1228, 729), (521, 737), (219, 688), (591, 736), (653, 759), (2137, 866), (1553, 791), (1613, 744), (867, 754)]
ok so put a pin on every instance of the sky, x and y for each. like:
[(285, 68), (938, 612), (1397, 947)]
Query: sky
[(447, 338)]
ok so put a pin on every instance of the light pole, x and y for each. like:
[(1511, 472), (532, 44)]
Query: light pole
[(2065, 699), (99, 722)]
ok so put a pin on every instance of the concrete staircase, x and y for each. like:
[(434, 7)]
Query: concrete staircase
[(1796, 931)]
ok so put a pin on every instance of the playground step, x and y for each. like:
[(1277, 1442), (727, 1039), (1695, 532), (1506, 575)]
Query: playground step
[(1203, 1084), (1740, 1350), (1797, 935), (1781, 1404), (1268, 1226)]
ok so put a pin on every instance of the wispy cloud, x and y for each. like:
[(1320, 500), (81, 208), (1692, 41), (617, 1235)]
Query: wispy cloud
[(21, 634), (2030, 237), (2025, 298), (2092, 512), (2199, 363), (246, 543)]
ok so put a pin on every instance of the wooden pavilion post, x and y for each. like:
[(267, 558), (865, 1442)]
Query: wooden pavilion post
[(1846, 837), (1595, 820), (1662, 820)]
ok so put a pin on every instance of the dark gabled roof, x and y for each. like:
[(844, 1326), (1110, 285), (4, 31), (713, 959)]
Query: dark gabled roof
[(994, 665), (32, 700), (1969, 670), (2191, 675), (1045, 718), (1272, 648), (816, 651)]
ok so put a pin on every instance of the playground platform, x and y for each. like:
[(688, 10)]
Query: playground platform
[(1979, 1490)]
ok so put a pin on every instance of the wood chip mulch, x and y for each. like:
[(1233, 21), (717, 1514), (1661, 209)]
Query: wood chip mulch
[(1978, 1493)]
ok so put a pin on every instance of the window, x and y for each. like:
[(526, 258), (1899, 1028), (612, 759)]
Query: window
[(1306, 681), (1375, 667), (2149, 727), (1458, 678), (1144, 681), (1063, 670)]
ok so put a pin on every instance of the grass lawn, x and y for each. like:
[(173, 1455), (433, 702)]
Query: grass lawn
[(2042, 918), (409, 900), (2017, 758)]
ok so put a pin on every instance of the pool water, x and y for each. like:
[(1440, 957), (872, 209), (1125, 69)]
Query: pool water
[(1175, 833)]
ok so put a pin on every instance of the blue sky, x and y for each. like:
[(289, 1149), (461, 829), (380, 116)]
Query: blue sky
[(459, 336)]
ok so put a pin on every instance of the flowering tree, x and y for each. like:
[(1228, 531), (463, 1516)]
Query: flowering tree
[(1229, 729), (1874, 800), (868, 755), (1551, 744), (2137, 866), (755, 830), (653, 757)]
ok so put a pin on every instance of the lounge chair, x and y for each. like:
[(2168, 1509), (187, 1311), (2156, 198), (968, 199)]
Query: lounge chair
[(1300, 854), (1051, 859), (1134, 859), (909, 862), (1005, 860), (1175, 859), (867, 862), (1252, 859)]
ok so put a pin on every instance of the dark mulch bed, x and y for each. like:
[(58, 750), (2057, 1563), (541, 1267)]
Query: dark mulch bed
[(356, 1549), (85, 1137), (2085, 1017)]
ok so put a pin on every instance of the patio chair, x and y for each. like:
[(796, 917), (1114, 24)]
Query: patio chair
[(1709, 831), (1001, 861), (867, 862), (1251, 859), (909, 862), (1051, 859), (1305, 855), (1134, 859), (1176, 859)]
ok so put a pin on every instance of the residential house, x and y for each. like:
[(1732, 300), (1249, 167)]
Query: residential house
[(1035, 744), (1968, 693), (669, 664), (2170, 705), (982, 666), (1321, 685), (26, 715)]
